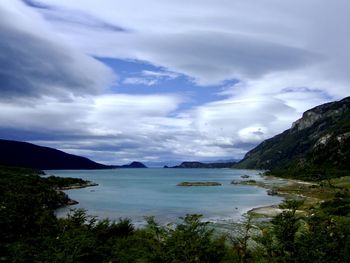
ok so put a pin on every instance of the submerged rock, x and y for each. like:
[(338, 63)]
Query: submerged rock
[(235, 182), (272, 192)]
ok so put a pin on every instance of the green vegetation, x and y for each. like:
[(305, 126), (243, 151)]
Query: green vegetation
[(249, 182), (319, 236), (308, 174), (31, 233), (317, 147), (313, 193)]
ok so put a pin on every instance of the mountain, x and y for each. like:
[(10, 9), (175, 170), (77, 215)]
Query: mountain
[(319, 140), (23, 154), (131, 165), (203, 165)]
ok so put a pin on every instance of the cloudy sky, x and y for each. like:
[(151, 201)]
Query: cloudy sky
[(156, 80)]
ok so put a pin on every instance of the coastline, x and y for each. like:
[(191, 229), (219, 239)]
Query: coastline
[(282, 187), (312, 193), (70, 201), (78, 186), (260, 209)]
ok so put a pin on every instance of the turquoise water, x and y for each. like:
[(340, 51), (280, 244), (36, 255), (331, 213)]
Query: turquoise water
[(135, 193)]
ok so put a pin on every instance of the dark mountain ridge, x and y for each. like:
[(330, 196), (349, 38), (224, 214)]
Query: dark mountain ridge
[(23, 154), (28, 155), (319, 140)]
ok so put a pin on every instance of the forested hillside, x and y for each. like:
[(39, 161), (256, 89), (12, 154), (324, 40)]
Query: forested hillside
[(318, 143)]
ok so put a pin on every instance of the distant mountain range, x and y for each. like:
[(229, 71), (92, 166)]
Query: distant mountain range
[(320, 140), (23, 154), (131, 165)]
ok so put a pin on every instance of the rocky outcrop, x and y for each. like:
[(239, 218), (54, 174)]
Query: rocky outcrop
[(199, 184), (79, 185), (328, 110)]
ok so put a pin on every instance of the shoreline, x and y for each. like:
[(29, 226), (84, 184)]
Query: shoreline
[(265, 210), (282, 187), (262, 181), (78, 186), (70, 201)]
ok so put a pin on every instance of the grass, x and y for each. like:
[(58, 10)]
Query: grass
[(342, 182), (313, 194)]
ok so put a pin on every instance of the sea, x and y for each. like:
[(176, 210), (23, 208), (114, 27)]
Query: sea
[(139, 193)]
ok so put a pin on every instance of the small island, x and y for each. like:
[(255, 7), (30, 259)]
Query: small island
[(199, 165), (248, 182), (199, 184)]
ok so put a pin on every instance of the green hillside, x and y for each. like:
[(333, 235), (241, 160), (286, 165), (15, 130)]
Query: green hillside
[(318, 144)]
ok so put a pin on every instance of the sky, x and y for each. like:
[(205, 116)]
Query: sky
[(161, 81)]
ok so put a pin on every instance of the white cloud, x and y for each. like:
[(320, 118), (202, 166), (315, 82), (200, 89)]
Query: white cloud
[(140, 81), (232, 122), (286, 57), (119, 128), (160, 74), (141, 125), (212, 41), (150, 78), (127, 125), (99, 115)]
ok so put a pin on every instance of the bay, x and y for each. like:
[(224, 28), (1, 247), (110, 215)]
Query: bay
[(136, 193)]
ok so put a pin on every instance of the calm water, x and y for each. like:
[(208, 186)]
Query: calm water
[(135, 193)]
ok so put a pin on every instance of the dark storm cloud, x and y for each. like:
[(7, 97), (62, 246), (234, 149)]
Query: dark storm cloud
[(36, 4), (210, 56), (34, 64), (77, 18)]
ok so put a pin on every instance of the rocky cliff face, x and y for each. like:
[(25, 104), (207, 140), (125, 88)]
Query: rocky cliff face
[(321, 138), (328, 110)]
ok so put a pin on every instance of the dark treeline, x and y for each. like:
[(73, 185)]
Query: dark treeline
[(30, 232)]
